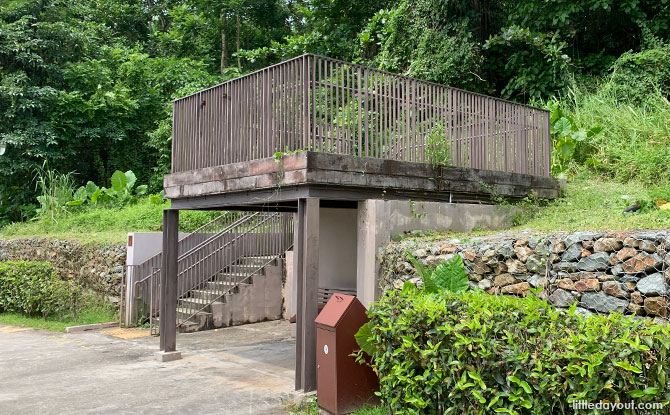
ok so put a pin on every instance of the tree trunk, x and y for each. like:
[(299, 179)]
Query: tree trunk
[(237, 41), (224, 51), (224, 46)]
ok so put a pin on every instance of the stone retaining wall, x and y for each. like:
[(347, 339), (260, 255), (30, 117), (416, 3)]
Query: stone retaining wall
[(628, 272), (96, 267)]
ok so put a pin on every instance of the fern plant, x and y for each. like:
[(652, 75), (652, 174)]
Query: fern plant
[(449, 276)]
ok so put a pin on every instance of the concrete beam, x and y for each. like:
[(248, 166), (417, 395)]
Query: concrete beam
[(359, 174)]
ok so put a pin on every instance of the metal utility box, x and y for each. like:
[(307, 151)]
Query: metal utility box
[(342, 385)]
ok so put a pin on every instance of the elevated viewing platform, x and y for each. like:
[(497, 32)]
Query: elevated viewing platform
[(318, 127), (335, 156)]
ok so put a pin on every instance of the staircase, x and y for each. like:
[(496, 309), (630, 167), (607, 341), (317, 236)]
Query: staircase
[(229, 273), (257, 298)]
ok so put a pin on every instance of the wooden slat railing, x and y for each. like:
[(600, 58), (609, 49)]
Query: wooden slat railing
[(322, 104)]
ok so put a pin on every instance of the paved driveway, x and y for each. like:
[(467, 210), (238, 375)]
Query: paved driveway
[(239, 370)]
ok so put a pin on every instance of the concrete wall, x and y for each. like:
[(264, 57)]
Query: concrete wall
[(144, 246), (290, 292), (147, 244), (337, 255), (351, 241), (379, 220), (337, 248)]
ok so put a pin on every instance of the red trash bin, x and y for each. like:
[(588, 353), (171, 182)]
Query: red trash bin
[(342, 385)]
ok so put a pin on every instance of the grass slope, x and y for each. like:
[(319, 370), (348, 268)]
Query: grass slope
[(634, 145), (592, 203), (105, 225)]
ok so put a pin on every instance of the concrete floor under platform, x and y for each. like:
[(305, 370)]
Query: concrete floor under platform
[(238, 370)]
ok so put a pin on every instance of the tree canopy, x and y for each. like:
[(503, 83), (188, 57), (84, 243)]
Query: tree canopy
[(87, 85)]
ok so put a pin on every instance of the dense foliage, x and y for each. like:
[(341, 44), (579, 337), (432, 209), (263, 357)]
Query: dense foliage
[(33, 288), (472, 353), (87, 84)]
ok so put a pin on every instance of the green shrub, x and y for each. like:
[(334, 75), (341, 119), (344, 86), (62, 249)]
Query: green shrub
[(472, 353), (33, 288), (636, 75)]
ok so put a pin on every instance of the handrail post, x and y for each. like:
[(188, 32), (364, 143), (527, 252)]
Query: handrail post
[(173, 165), (306, 68)]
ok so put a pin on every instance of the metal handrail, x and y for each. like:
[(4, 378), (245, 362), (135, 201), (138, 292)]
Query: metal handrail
[(227, 291), (185, 237), (143, 272), (231, 289), (232, 257), (206, 241), (323, 104), (217, 254), (227, 244)]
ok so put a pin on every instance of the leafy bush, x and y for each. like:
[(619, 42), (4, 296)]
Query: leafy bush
[(535, 64), (415, 39), (438, 147), (449, 276), (569, 140), (123, 191), (33, 288), (636, 75), (472, 353)]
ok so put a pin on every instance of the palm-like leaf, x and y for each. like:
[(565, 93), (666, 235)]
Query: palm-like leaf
[(429, 284), (451, 276)]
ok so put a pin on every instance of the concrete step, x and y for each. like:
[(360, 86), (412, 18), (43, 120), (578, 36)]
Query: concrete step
[(189, 326), (257, 260), (245, 268), (258, 298), (234, 276), (185, 312), (208, 294), (222, 286), (195, 304)]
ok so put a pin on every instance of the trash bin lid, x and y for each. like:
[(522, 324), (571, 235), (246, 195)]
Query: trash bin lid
[(334, 310)]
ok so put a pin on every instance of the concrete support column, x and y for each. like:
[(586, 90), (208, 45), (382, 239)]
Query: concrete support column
[(366, 258), (306, 266), (168, 304)]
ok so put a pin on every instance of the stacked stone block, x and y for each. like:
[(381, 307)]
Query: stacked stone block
[(626, 272)]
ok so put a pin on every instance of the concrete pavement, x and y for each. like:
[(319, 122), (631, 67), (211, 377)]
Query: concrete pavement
[(237, 370)]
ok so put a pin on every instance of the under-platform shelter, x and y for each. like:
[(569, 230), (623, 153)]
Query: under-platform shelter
[(323, 138)]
